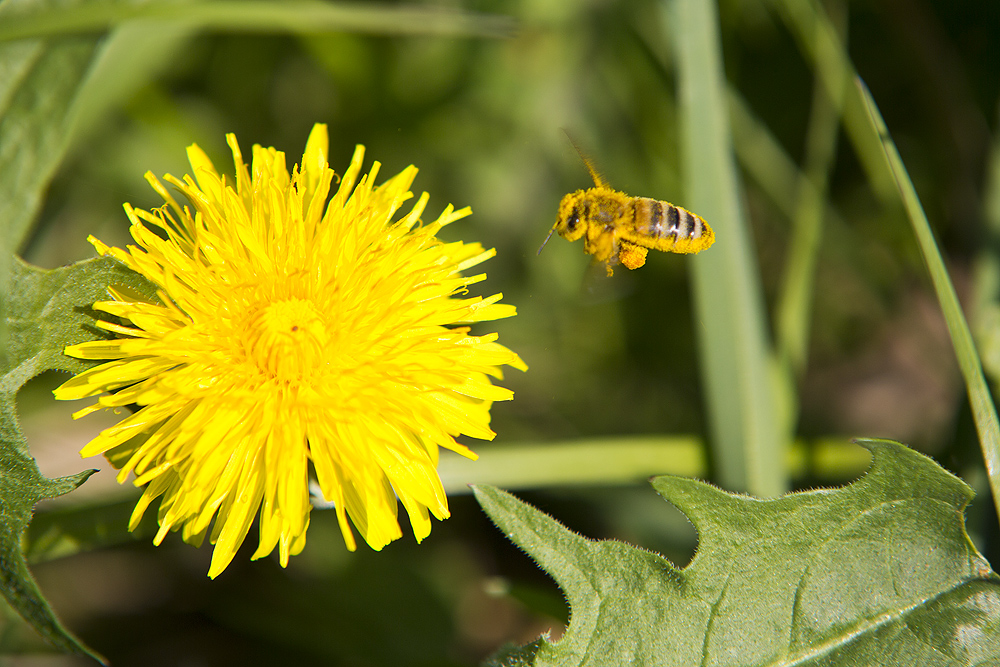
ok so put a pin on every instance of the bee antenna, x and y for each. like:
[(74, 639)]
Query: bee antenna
[(546, 239), (594, 174)]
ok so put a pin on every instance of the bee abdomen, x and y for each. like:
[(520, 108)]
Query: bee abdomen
[(670, 227)]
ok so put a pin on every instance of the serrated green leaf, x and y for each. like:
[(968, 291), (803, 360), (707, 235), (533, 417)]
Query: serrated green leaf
[(879, 572), (510, 655), (46, 311), (50, 309)]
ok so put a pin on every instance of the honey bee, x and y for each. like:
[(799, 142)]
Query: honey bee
[(618, 228)]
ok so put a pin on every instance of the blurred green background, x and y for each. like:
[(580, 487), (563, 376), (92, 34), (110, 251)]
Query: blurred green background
[(484, 119)]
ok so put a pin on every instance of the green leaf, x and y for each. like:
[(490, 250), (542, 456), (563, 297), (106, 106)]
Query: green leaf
[(514, 656), (46, 311), (879, 572)]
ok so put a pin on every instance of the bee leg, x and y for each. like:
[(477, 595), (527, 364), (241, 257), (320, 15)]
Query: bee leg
[(608, 252), (600, 243), (631, 255)]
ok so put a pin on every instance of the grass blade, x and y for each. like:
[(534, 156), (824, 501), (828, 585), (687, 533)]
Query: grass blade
[(794, 303), (627, 460), (128, 58), (599, 461), (821, 45), (986, 322), (746, 422), (983, 409)]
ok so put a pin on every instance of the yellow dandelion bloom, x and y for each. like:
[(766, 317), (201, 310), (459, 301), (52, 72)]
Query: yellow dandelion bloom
[(295, 335)]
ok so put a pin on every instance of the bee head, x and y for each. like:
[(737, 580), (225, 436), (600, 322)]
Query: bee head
[(570, 223)]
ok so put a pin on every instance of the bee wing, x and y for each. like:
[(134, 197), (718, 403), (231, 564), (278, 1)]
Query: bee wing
[(606, 280), (594, 174), (598, 287)]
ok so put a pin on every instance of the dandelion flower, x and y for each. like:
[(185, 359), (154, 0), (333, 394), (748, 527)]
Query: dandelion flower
[(294, 335)]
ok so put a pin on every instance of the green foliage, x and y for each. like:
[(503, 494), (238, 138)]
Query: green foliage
[(814, 248), (748, 429), (46, 311), (68, 530), (52, 91), (983, 409), (36, 93), (880, 572), (308, 16)]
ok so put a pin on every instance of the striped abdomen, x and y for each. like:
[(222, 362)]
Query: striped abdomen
[(662, 226)]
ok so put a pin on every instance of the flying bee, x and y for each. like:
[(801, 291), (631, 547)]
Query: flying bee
[(618, 228)]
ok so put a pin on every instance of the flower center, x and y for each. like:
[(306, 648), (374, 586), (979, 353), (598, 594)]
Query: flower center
[(288, 339)]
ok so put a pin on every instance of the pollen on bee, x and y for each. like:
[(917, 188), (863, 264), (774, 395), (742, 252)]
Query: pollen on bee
[(631, 255)]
